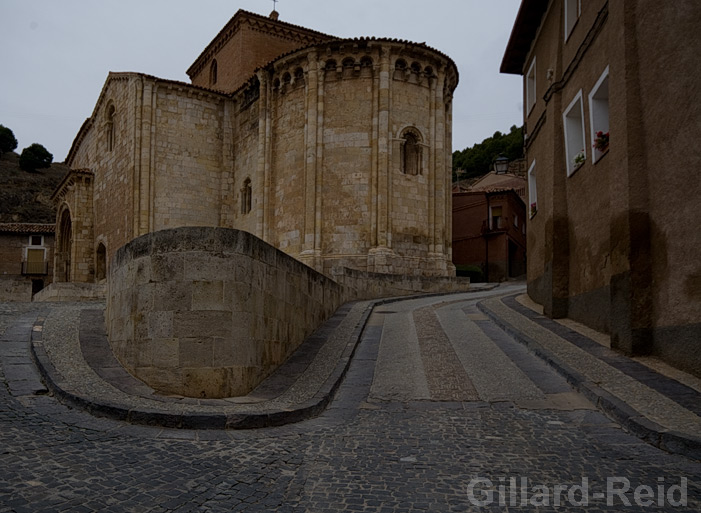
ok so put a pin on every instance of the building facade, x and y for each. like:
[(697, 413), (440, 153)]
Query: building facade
[(336, 151), (26, 257), (611, 241), (489, 227)]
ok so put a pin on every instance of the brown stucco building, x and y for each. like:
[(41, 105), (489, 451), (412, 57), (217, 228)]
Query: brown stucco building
[(26, 255), (336, 151), (611, 239), (489, 226)]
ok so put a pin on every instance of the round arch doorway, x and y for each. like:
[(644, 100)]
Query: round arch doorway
[(64, 247)]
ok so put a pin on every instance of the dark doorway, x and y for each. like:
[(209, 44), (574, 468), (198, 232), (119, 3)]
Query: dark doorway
[(37, 285)]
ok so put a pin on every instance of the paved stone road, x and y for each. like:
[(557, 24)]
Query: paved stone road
[(437, 399)]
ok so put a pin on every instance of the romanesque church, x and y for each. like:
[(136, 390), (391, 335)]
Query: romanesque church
[(335, 151)]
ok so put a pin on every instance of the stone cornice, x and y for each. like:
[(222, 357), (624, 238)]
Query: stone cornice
[(71, 177)]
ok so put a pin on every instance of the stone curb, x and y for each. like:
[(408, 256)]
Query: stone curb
[(61, 389), (614, 407)]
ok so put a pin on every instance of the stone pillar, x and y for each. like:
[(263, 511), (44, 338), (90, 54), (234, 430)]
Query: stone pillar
[(438, 184), (311, 254), (136, 171), (263, 164), (228, 185), (448, 177), (143, 160), (319, 166), (383, 139), (380, 254), (432, 169)]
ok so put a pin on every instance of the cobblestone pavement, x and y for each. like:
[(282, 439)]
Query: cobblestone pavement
[(397, 438)]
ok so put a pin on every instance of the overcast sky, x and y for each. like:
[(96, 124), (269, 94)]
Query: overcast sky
[(56, 53)]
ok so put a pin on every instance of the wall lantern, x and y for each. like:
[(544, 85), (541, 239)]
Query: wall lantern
[(501, 164)]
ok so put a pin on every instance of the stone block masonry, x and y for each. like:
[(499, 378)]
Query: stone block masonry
[(211, 312)]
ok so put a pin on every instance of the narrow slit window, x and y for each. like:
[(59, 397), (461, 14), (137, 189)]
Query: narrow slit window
[(213, 73), (246, 194)]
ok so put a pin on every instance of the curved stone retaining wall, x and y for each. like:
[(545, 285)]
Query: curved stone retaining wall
[(211, 312)]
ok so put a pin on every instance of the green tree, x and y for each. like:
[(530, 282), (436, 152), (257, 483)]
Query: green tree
[(7, 140), (34, 157), (477, 160)]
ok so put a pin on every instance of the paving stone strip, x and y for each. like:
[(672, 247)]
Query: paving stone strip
[(640, 408), (493, 374), (70, 348), (447, 379), (685, 396)]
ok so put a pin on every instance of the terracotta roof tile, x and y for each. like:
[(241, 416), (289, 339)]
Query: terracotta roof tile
[(27, 228)]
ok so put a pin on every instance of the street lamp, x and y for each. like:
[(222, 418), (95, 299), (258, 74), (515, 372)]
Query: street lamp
[(501, 164)]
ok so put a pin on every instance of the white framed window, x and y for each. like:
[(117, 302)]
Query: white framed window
[(573, 8), (496, 215), (573, 124), (36, 240), (516, 220), (530, 87), (599, 116), (532, 192)]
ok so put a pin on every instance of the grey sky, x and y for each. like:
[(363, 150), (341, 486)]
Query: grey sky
[(57, 53)]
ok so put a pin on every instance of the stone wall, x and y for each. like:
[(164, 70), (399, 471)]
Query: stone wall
[(210, 312), (115, 164), (187, 148), (367, 285)]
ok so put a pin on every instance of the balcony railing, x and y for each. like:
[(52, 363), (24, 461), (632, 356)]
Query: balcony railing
[(35, 267)]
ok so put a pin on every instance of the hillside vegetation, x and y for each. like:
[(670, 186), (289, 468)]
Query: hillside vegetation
[(25, 197), (477, 160)]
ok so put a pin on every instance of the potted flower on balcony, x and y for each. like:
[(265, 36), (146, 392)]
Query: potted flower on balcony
[(601, 142), (579, 159)]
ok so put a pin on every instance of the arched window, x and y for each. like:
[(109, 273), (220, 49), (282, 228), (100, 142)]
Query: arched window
[(246, 194), (411, 154), (100, 262), (213, 72), (110, 127), (299, 76)]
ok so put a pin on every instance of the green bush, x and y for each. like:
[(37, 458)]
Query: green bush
[(473, 272), (34, 157), (8, 142)]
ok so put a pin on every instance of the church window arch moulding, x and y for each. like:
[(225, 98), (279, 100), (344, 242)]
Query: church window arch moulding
[(109, 126), (100, 261), (246, 196), (213, 72), (411, 152)]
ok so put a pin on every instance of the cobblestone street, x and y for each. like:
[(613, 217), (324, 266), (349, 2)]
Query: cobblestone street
[(438, 405)]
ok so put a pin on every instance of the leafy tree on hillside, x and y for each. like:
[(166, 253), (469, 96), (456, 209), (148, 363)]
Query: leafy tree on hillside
[(34, 157), (477, 161), (8, 142)]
